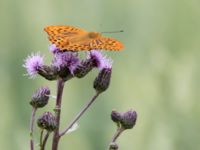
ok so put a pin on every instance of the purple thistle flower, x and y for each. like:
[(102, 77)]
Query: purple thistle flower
[(32, 63), (100, 60), (53, 49), (66, 59), (107, 63)]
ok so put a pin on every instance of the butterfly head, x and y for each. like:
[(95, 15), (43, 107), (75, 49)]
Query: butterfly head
[(93, 35)]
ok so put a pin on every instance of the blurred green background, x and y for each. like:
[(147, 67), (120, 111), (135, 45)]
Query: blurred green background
[(157, 74)]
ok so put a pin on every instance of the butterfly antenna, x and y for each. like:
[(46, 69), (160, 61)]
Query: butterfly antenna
[(114, 31)]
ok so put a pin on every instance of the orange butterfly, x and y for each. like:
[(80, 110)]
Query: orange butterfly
[(69, 38)]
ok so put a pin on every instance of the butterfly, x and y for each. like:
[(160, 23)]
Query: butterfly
[(69, 38)]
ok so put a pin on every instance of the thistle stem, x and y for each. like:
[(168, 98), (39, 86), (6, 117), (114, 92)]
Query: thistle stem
[(41, 138), (32, 128), (117, 134), (56, 137), (77, 117), (45, 141)]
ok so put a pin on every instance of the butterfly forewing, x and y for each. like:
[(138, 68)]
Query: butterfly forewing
[(63, 30)]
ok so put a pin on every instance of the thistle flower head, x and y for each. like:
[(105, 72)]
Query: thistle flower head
[(100, 61), (116, 116), (40, 98), (68, 60), (47, 121), (32, 63), (53, 49), (129, 119), (97, 57), (124, 120), (48, 72), (102, 81), (83, 68), (107, 63)]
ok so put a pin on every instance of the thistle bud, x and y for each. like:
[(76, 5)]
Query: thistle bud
[(48, 72), (102, 81), (84, 68), (129, 119), (116, 117), (40, 98), (113, 146), (47, 121)]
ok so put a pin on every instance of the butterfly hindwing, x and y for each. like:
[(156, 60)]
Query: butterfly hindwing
[(106, 43), (65, 44)]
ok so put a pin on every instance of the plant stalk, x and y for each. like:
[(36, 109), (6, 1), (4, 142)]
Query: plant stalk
[(45, 141), (115, 137), (80, 114), (41, 138), (56, 137), (117, 134), (32, 128)]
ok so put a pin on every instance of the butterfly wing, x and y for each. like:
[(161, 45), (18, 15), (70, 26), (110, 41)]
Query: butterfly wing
[(65, 44), (65, 31), (61, 35), (101, 43), (79, 47), (106, 43), (75, 39)]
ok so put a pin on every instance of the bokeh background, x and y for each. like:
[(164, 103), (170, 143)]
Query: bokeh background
[(157, 74)]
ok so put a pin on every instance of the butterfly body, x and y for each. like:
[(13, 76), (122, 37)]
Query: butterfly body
[(68, 38), (82, 38)]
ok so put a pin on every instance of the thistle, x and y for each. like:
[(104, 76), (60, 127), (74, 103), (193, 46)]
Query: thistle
[(40, 98), (47, 121), (66, 65)]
